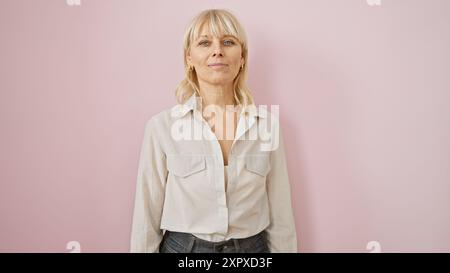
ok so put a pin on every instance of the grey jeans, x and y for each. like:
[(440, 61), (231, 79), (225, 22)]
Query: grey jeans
[(179, 242)]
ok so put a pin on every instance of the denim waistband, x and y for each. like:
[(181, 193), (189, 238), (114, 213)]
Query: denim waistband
[(188, 240)]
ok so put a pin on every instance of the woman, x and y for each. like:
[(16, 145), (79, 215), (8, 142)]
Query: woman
[(205, 182)]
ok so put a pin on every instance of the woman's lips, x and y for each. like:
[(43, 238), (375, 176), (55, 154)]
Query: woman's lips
[(217, 65)]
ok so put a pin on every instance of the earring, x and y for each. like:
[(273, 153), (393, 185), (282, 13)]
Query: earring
[(242, 66)]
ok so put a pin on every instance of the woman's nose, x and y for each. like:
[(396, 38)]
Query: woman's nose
[(217, 50)]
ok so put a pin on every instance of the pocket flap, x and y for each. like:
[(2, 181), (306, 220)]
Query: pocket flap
[(258, 164), (185, 165)]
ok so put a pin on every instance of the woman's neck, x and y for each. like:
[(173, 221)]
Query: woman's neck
[(217, 95)]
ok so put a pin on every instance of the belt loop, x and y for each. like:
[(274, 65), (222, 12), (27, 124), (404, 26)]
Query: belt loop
[(236, 245), (191, 243)]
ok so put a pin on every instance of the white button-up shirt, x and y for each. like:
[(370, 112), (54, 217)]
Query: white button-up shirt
[(181, 181)]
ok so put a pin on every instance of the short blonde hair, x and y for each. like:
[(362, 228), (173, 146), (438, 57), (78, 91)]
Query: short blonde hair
[(220, 22)]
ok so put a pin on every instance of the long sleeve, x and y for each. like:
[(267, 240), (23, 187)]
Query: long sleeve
[(146, 234), (282, 236)]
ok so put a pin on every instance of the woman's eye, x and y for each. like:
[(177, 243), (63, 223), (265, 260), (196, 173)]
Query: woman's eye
[(229, 42), (226, 42)]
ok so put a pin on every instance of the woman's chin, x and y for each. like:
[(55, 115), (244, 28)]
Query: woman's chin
[(220, 81)]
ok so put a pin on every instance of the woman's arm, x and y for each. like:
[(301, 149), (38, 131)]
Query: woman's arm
[(282, 236), (146, 234)]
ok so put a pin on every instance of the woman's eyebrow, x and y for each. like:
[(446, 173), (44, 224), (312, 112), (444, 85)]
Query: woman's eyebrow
[(222, 36)]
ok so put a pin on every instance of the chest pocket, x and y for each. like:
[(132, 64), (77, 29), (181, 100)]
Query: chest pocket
[(185, 165), (258, 164)]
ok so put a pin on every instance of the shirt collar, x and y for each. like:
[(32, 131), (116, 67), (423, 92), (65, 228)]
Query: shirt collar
[(194, 101)]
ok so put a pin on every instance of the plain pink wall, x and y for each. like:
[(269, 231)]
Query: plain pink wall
[(364, 94)]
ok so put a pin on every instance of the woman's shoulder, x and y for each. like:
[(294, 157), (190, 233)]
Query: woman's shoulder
[(158, 119), (165, 117), (263, 112)]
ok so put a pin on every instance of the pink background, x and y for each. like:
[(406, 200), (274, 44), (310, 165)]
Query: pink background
[(364, 94)]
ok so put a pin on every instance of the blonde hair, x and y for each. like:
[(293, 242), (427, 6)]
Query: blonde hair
[(220, 22)]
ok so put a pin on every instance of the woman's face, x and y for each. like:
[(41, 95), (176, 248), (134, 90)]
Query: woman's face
[(217, 61)]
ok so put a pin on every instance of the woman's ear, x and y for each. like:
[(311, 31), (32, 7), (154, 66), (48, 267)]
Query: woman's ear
[(188, 58)]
